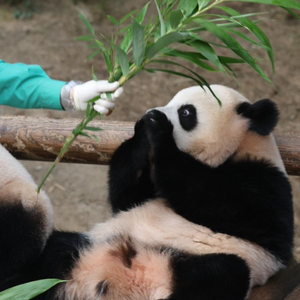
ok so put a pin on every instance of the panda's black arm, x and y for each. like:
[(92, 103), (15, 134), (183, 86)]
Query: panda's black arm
[(129, 174), (172, 171)]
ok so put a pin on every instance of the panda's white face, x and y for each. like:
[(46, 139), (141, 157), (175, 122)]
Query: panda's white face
[(202, 128)]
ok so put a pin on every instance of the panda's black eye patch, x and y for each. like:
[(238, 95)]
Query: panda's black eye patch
[(188, 117)]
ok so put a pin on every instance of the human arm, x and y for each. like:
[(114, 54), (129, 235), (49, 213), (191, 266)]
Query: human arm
[(28, 86)]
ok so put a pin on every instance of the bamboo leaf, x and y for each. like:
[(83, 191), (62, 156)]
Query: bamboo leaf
[(207, 51), (203, 3), (97, 139), (228, 40), (93, 55), (188, 6), (246, 38), (84, 38), (138, 43), (162, 23), (128, 15), (123, 60), (87, 23), (127, 40), (284, 3), (200, 80), (93, 74), (83, 134), (194, 57), (175, 18), (29, 290), (91, 128), (141, 15), (100, 45), (292, 13), (175, 73), (113, 20), (252, 27), (165, 41), (108, 61)]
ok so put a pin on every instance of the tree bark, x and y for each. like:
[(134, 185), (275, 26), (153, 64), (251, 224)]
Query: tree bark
[(42, 138)]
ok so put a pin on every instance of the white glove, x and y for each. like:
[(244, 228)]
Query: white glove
[(91, 89)]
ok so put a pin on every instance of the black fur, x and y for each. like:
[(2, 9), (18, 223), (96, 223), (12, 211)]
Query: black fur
[(130, 186), (263, 115), (210, 277), (21, 239), (247, 199), (18, 249)]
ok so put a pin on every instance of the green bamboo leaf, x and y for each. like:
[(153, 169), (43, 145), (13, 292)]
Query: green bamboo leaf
[(108, 61), (29, 290), (100, 45), (113, 20), (87, 23), (292, 13), (162, 23), (246, 38), (141, 15), (165, 41), (200, 80), (127, 40), (231, 60), (284, 3), (83, 134), (123, 60), (203, 3), (194, 57), (93, 74), (91, 128), (93, 54), (175, 18), (188, 6), (84, 38), (252, 27), (97, 139), (175, 73), (138, 43), (128, 15), (207, 51), (228, 40)]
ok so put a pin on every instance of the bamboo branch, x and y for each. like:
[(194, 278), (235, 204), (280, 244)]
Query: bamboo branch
[(41, 139)]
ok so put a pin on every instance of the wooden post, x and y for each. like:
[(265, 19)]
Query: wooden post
[(42, 138)]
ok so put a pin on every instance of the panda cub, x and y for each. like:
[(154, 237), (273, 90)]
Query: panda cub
[(202, 210)]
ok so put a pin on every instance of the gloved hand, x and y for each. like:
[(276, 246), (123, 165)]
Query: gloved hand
[(91, 89)]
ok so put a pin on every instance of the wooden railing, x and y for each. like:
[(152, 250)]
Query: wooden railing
[(41, 139)]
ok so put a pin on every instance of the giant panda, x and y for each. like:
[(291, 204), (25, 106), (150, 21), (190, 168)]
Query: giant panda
[(202, 210)]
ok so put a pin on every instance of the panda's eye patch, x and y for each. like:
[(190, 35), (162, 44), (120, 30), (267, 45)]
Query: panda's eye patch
[(188, 117)]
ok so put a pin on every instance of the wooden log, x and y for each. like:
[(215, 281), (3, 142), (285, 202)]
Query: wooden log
[(42, 138), (282, 286)]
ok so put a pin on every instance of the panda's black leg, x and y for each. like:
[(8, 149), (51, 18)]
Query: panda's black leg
[(210, 277), (129, 174)]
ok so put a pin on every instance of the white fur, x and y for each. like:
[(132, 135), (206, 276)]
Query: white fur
[(160, 225), (17, 185), (220, 132)]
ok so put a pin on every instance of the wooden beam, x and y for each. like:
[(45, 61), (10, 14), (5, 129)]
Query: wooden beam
[(42, 138)]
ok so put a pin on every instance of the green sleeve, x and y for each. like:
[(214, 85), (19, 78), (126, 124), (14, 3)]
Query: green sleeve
[(28, 86)]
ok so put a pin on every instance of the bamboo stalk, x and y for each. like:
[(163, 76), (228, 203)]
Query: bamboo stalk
[(42, 138)]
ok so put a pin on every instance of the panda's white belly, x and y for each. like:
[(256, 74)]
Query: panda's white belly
[(156, 224)]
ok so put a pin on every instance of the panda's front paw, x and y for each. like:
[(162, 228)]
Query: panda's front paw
[(157, 124)]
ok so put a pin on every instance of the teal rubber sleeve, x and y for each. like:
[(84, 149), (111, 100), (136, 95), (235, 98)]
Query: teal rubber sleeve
[(28, 86)]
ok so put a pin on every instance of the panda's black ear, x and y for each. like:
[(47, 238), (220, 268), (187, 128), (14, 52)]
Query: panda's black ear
[(263, 115)]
